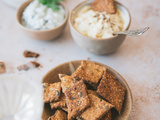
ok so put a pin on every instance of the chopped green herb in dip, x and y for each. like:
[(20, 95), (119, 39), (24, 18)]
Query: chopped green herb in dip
[(40, 17)]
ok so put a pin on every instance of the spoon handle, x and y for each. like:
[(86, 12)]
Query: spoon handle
[(137, 32)]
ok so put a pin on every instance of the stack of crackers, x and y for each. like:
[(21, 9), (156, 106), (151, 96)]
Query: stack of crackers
[(90, 93)]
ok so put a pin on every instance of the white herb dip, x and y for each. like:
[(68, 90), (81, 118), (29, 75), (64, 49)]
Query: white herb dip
[(38, 17)]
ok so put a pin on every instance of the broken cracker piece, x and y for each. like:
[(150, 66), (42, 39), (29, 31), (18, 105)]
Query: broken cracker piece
[(77, 99), (112, 91), (59, 115), (104, 6), (2, 67), (52, 92), (35, 64), (61, 103), (97, 110), (23, 67), (28, 66), (66, 81), (90, 73), (27, 53)]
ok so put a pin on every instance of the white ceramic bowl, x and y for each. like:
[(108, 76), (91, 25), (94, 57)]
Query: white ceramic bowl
[(98, 45), (41, 34)]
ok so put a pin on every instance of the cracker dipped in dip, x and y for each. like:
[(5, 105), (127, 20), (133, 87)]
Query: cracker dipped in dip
[(100, 19)]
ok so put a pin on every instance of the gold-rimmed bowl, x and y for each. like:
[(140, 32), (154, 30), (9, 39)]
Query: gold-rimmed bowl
[(98, 46), (65, 68), (41, 34)]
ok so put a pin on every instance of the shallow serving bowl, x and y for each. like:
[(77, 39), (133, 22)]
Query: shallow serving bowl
[(98, 45), (41, 34), (65, 68)]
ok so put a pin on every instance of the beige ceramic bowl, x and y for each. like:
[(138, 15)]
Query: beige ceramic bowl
[(52, 76), (97, 45), (41, 34)]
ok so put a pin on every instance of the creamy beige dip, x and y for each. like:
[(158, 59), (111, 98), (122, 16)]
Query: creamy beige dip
[(98, 24)]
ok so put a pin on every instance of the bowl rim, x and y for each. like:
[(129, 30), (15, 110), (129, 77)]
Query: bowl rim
[(25, 4), (111, 69), (71, 23)]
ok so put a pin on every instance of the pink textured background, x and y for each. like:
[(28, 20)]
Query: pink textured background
[(137, 60)]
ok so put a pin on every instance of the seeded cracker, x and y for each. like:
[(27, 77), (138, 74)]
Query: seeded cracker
[(77, 99), (107, 116), (104, 6), (59, 104), (111, 90), (2, 67), (98, 109), (66, 81), (93, 92), (90, 73), (51, 92), (65, 109), (27, 53), (59, 115)]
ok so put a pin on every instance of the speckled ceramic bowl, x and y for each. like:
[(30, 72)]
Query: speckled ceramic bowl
[(41, 34), (98, 45), (65, 68)]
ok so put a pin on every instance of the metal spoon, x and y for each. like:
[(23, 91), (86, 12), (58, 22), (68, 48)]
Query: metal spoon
[(137, 32)]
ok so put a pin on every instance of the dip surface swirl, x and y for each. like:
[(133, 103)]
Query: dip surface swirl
[(98, 24), (38, 17)]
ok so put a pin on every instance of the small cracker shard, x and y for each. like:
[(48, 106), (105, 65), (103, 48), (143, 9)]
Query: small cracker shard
[(90, 73), (61, 103), (23, 67), (66, 81), (104, 6), (59, 115), (35, 64), (27, 53), (97, 110), (2, 67), (108, 116), (28, 66), (51, 92), (77, 99), (112, 91)]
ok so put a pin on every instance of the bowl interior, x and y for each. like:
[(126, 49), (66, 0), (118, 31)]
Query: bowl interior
[(25, 4), (125, 13), (52, 76)]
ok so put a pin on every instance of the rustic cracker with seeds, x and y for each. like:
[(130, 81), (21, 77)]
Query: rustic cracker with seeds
[(90, 73), (66, 81), (112, 91), (27, 53), (59, 115), (51, 92), (108, 116), (77, 99), (2, 67), (93, 92), (61, 103), (97, 110), (65, 109), (104, 6)]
